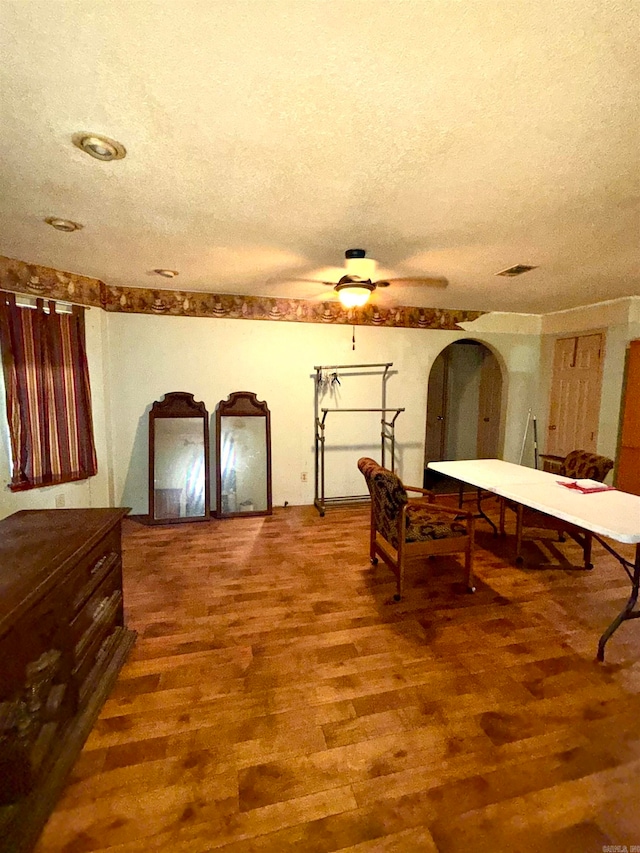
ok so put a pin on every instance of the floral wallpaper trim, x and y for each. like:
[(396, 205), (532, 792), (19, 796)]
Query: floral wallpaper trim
[(48, 283)]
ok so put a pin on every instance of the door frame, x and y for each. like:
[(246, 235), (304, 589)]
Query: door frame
[(505, 383)]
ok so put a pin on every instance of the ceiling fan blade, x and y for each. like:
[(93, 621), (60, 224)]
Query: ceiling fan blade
[(304, 280), (429, 281)]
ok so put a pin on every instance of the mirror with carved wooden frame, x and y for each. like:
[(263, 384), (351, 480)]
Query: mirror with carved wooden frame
[(243, 453), (179, 484)]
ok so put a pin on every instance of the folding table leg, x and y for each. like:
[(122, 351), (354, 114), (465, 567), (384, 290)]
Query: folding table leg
[(519, 535), (627, 611)]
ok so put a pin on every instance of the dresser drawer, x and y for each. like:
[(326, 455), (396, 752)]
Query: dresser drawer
[(93, 662), (104, 605), (89, 573)]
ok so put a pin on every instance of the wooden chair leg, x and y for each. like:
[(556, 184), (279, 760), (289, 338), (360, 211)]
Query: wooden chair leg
[(400, 554), (468, 563), (469, 556), (400, 557), (372, 539)]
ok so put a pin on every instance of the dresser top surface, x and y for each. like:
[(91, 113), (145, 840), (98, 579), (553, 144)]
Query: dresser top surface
[(35, 545)]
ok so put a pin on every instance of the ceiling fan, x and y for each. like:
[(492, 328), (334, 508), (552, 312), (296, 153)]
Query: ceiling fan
[(356, 286)]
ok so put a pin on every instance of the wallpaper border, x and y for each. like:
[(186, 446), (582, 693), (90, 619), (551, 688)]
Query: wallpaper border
[(48, 283)]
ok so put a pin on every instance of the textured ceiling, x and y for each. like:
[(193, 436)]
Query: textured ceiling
[(264, 138)]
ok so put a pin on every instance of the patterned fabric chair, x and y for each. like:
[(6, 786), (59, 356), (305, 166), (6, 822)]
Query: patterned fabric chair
[(402, 528), (581, 465)]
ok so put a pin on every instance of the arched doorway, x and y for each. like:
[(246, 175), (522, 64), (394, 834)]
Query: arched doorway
[(464, 404)]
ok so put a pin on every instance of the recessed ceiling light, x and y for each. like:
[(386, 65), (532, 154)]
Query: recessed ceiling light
[(63, 224), (167, 273), (100, 147)]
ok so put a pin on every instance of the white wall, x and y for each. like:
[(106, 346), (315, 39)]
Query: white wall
[(150, 356), (136, 359)]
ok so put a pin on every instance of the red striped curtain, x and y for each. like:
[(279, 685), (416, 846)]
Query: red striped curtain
[(48, 395)]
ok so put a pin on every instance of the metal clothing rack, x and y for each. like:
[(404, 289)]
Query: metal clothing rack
[(387, 432)]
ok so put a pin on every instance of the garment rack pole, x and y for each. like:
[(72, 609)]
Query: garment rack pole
[(387, 431), (321, 367)]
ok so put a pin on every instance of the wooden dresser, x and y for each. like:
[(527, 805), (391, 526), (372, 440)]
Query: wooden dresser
[(62, 644)]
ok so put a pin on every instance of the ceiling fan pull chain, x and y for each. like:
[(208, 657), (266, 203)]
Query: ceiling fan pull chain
[(353, 338)]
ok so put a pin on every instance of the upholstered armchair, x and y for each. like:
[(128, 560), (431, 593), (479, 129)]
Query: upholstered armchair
[(581, 465), (402, 528)]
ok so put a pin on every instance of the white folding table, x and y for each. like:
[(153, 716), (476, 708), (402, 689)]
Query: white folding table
[(611, 514), (491, 475)]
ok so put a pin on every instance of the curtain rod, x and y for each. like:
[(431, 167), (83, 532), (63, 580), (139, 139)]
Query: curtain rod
[(20, 295)]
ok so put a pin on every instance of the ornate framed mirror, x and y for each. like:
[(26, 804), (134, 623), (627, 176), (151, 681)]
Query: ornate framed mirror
[(179, 485), (243, 453)]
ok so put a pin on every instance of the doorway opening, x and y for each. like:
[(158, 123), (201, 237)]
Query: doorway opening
[(464, 405)]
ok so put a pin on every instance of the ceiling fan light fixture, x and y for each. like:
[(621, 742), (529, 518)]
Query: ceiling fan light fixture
[(354, 294), (100, 147), (166, 273), (359, 266)]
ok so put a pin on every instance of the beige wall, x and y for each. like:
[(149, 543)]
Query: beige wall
[(136, 359), (150, 356)]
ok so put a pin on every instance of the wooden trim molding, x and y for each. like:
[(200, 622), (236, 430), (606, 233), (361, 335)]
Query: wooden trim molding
[(35, 280)]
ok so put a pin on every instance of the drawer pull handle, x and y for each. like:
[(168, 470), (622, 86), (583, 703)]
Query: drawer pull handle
[(100, 563), (99, 609), (99, 568), (103, 613)]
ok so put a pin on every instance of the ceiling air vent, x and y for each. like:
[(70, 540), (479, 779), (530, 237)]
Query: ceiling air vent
[(517, 270)]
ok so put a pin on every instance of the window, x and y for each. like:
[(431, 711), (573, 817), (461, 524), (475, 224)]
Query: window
[(47, 391)]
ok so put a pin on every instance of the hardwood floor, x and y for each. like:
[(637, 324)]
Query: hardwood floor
[(276, 701)]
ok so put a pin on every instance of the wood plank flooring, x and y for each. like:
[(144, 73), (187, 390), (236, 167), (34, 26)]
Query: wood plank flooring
[(277, 700)]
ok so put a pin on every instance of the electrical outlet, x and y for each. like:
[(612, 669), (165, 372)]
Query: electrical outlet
[(303, 476), (60, 501)]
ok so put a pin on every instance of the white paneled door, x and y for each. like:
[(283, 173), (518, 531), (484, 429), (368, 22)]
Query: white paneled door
[(574, 408)]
